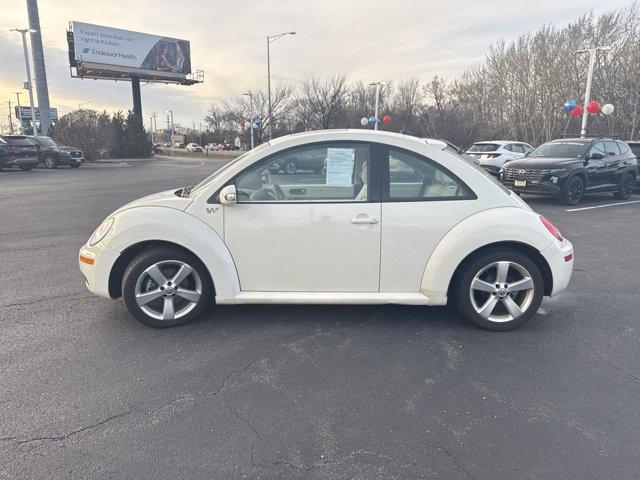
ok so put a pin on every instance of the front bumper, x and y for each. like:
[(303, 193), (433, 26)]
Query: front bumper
[(96, 264), (560, 257), (547, 188), (67, 159)]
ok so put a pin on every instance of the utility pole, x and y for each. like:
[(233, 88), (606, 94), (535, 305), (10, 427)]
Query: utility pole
[(39, 68), (23, 32), (170, 112), (378, 86), (251, 120), (19, 112), (9, 118), (593, 53), (270, 40)]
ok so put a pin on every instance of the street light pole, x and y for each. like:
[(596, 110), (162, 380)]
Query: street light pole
[(23, 32), (593, 52), (19, 111), (248, 94), (9, 118), (170, 112), (271, 39), (378, 86)]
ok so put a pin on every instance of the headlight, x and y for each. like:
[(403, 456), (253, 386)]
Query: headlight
[(101, 231), (556, 171)]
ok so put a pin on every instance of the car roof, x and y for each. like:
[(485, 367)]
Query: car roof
[(348, 134), (499, 142)]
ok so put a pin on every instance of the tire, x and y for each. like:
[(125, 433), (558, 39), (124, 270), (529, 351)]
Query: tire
[(626, 187), (141, 277), (573, 191), (291, 167), (498, 303), (50, 162)]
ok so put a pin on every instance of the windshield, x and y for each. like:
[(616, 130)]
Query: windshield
[(635, 148), (215, 174), (484, 147), (45, 141), (562, 149)]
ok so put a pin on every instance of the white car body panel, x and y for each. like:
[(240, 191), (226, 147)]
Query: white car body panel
[(312, 253)]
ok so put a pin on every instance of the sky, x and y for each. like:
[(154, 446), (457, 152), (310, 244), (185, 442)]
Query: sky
[(363, 39)]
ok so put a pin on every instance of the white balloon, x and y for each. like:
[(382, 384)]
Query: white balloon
[(607, 109), (247, 124), (364, 121)]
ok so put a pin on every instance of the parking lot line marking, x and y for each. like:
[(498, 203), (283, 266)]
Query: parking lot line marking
[(602, 206)]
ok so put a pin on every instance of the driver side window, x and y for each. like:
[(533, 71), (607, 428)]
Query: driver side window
[(597, 147), (337, 172)]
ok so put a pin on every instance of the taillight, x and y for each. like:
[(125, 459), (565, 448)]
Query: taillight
[(552, 228)]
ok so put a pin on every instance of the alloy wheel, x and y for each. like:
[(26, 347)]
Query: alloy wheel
[(49, 162), (168, 290), (575, 192), (502, 291)]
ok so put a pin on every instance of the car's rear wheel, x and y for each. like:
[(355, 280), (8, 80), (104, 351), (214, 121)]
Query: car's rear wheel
[(573, 191), (50, 162), (166, 287), (626, 188), (500, 290)]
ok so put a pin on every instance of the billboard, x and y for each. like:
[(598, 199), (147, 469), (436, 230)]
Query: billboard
[(132, 53), (24, 113)]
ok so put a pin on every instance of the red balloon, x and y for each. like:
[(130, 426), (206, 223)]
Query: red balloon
[(386, 120), (577, 111), (593, 107)]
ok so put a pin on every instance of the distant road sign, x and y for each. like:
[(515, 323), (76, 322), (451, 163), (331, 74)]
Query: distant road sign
[(25, 113)]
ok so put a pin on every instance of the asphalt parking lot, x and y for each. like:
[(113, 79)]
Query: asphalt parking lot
[(306, 391)]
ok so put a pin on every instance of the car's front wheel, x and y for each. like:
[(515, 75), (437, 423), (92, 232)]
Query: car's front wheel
[(573, 191), (500, 290), (166, 287), (50, 162)]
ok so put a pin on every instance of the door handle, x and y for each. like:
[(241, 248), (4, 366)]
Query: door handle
[(363, 220)]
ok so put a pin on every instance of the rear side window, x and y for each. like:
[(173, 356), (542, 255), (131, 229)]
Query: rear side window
[(19, 141), (484, 147), (635, 148), (611, 147), (409, 177), (624, 148)]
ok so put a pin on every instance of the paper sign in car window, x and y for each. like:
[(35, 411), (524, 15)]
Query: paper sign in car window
[(340, 166)]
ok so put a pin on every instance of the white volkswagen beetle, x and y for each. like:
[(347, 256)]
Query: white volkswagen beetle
[(390, 219)]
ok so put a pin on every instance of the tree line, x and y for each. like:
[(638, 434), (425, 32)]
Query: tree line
[(516, 92)]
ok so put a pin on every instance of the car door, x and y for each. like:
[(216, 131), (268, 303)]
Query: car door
[(308, 231), (597, 168), (614, 162), (418, 209)]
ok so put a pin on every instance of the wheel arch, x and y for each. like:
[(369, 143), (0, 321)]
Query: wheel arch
[(519, 247), (131, 252)]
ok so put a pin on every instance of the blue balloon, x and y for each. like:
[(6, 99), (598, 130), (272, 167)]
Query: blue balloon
[(569, 105), (372, 120)]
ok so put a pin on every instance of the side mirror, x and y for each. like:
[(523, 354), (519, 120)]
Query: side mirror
[(595, 156), (228, 195)]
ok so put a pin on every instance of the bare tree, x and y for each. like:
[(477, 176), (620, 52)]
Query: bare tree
[(321, 102)]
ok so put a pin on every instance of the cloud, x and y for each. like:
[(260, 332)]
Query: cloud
[(364, 39)]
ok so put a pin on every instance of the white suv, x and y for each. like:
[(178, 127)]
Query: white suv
[(391, 219), (493, 155)]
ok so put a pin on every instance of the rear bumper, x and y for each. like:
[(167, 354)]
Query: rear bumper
[(560, 257), (21, 162)]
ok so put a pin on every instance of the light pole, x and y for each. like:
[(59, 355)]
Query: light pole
[(270, 40), (19, 110), (170, 112), (378, 86), (9, 117), (593, 52), (151, 119), (23, 32), (248, 94)]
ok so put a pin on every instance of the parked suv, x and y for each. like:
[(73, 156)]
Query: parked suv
[(50, 154), (493, 155), (635, 148), (571, 167), (17, 151), (194, 147)]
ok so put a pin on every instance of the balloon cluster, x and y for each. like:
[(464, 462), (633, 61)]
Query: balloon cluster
[(575, 109), (247, 123), (364, 121)]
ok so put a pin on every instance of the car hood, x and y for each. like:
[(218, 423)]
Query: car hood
[(167, 199), (543, 162)]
